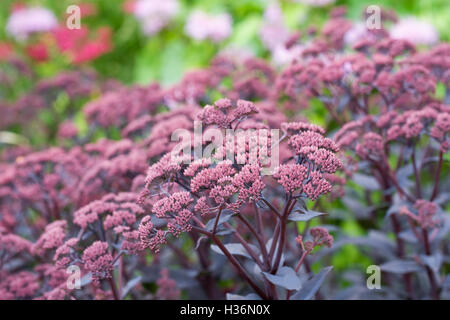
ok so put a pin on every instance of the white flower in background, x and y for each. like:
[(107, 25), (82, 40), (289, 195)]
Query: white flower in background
[(356, 33), (275, 34), (416, 31), (273, 31), (237, 54), (282, 56), (316, 3), (154, 15), (201, 26), (25, 21)]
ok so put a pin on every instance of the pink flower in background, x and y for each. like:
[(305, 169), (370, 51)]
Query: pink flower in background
[(275, 35), (415, 31), (67, 129), (153, 15), (321, 237), (52, 238), (25, 21), (274, 32), (316, 3), (167, 287), (202, 26)]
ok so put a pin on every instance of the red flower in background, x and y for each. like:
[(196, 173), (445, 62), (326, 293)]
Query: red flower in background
[(18, 6), (38, 52), (5, 51), (128, 6), (88, 9), (82, 45)]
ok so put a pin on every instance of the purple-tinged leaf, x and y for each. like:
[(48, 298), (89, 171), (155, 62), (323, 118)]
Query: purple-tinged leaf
[(130, 285), (310, 287), (285, 277), (365, 181), (400, 266), (250, 296), (306, 216), (236, 249)]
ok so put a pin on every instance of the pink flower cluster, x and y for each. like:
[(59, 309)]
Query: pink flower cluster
[(98, 260)]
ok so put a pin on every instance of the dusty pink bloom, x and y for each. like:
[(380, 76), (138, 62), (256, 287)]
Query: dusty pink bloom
[(321, 237), (161, 171), (138, 126), (299, 80), (371, 146), (196, 165), (158, 239), (126, 214), (202, 206), (167, 287), (145, 227), (441, 126), (108, 109), (291, 128), (149, 236), (90, 213), (221, 192), (55, 294), (63, 255), (172, 204), (67, 129), (338, 184), (12, 244), (291, 176), (20, 285), (98, 260), (223, 113), (395, 47), (324, 159), (131, 241), (55, 276), (425, 214), (350, 132), (335, 30), (181, 222), (125, 210), (206, 178), (310, 139), (52, 238), (316, 186), (249, 183)]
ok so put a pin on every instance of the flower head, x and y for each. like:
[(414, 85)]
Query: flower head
[(98, 260), (25, 21)]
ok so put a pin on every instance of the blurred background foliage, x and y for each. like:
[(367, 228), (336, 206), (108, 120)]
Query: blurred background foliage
[(166, 56)]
